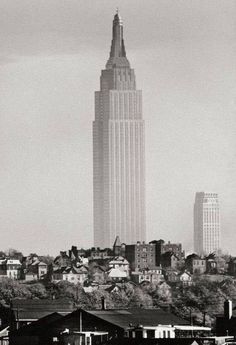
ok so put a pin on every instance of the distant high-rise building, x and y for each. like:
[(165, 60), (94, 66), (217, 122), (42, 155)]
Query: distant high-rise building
[(118, 151), (206, 223)]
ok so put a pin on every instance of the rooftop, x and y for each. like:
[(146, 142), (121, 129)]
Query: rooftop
[(35, 309), (147, 317)]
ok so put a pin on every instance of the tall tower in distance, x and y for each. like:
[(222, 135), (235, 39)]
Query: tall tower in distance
[(206, 223), (118, 151)]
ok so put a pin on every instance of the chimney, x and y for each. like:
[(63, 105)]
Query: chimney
[(228, 309), (103, 303)]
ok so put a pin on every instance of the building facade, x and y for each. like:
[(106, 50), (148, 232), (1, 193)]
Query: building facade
[(206, 223), (162, 248), (141, 256), (13, 268), (118, 150)]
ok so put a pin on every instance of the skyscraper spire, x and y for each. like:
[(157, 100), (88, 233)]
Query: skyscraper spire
[(117, 54), (118, 151)]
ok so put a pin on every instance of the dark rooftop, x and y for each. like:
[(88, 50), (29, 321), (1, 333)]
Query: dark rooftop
[(34, 309), (39, 325), (146, 317)]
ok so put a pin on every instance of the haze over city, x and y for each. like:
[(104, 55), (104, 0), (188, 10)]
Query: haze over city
[(52, 53)]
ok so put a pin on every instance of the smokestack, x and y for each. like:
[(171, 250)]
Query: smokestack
[(228, 309), (103, 303)]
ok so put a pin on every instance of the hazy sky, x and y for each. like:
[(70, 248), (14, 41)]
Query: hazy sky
[(51, 55)]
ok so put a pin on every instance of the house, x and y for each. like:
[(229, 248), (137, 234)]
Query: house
[(150, 276), (169, 259), (211, 266), (199, 266), (100, 254), (42, 270), (30, 274), (185, 278), (195, 264), (13, 268), (62, 260), (36, 271), (171, 275), (121, 263), (97, 273), (30, 259), (78, 256), (222, 264), (116, 275), (71, 274), (162, 247)]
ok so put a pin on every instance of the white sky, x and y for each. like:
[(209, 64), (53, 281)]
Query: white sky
[(51, 55)]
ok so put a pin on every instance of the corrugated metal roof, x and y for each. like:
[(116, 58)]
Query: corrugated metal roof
[(41, 324), (26, 315), (36, 309), (146, 317)]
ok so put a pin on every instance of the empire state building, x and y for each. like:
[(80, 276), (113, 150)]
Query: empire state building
[(118, 151)]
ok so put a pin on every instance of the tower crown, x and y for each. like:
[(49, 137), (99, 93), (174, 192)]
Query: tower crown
[(117, 53)]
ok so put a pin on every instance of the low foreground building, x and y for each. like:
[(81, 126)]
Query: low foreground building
[(114, 324), (25, 311)]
